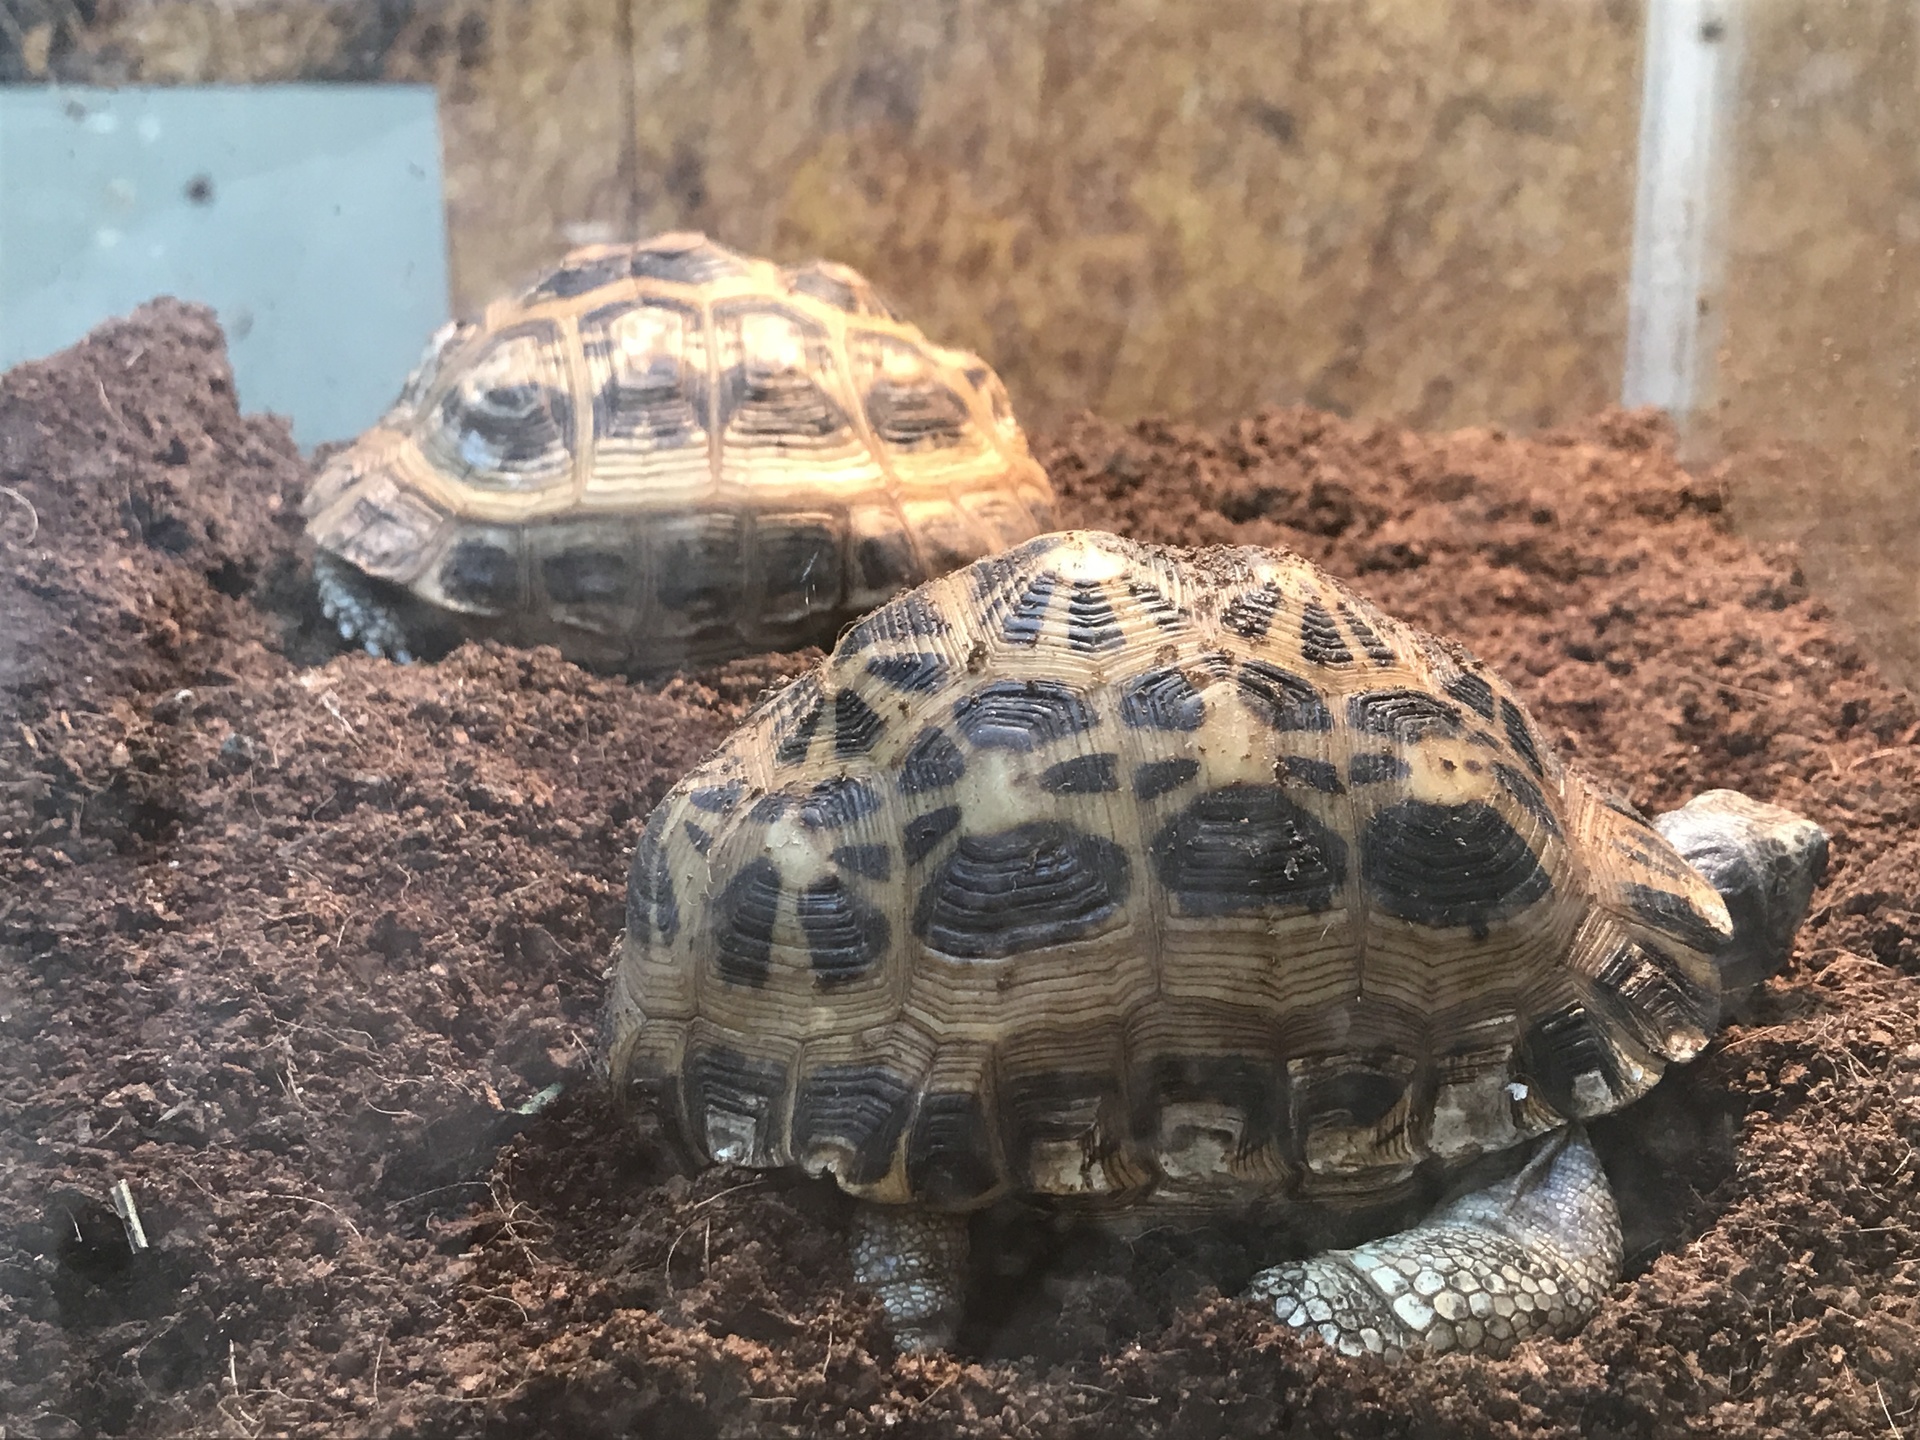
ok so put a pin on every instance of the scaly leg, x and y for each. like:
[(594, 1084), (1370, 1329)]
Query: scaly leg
[(915, 1262), (1528, 1256)]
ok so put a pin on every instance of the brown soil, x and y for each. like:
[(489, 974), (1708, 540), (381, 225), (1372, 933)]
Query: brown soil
[(292, 942)]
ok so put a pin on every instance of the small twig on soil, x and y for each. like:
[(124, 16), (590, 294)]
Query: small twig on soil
[(730, 1190), (511, 1212), (1705, 679), (505, 1299), (308, 1199), (330, 703), (1113, 1394), (113, 414), (1879, 754), (706, 1258), (1764, 1032), (289, 1083), (437, 1190), (233, 1379), (246, 1424), (491, 1397), (346, 1046), (1884, 1410), (379, 1353), (32, 514), (928, 1397)]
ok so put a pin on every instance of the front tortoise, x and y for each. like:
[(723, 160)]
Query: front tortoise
[(669, 454), (1161, 882)]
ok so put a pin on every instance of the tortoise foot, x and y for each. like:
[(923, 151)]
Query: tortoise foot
[(356, 614), (1529, 1256)]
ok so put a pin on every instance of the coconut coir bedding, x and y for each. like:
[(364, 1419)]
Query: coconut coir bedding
[(297, 944)]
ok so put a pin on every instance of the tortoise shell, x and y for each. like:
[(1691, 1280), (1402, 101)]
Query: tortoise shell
[(1106, 870), (668, 453)]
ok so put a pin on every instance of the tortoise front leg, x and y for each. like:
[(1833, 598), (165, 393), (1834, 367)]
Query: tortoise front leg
[(1529, 1256), (361, 619), (915, 1261)]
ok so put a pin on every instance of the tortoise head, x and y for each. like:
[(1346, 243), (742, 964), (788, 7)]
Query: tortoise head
[(1765, 861)]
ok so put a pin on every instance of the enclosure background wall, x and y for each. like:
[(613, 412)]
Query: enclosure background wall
[(1410, 209)]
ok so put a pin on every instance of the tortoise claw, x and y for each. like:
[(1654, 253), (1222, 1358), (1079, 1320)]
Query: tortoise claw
[(359, 618)]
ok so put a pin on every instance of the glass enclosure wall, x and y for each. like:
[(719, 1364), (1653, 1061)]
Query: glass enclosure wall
[(1812, 383), (304, 951)]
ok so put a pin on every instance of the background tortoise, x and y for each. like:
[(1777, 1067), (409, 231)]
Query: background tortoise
[(667, 454), (1163, 881)]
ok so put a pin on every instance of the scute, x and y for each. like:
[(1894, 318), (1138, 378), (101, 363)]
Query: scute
[(735, 1099), (1243, 849), (847, 1119), (685, 258), (481, 574), (769, 452), (647, 365), (779, 380), (1009, 892), (840, 286), (1108, 872), (1449, 865), (909, 407), (506, 423), (950, 1154), (580, 277)]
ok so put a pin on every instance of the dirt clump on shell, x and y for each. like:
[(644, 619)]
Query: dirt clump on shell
[(299, 945)]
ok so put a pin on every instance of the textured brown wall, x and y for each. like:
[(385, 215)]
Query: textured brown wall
[(1417, 208)]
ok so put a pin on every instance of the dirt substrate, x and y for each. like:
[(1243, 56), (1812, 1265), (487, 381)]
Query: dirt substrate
[(295, 944)]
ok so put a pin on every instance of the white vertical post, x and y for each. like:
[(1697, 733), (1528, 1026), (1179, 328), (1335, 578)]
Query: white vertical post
[(1687, 98)]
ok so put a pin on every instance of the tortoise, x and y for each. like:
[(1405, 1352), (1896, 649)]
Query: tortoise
[(668, 454), (1161, 883)]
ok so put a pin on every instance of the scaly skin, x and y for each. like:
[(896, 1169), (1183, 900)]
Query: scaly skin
[(1526, 1257), (914, 1261)]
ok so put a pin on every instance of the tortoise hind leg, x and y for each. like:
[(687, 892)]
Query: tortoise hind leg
[(914, 1261), (1528, 1256)]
